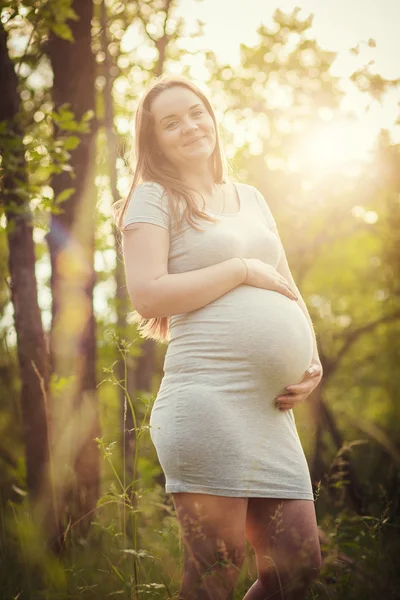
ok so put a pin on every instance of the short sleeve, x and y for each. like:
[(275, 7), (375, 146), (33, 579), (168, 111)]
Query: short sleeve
[(147, 204), (265, 210)]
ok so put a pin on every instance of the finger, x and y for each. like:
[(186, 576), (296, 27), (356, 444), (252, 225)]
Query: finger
[(301, 388), (285, 289), (313, 370), (285, 282), (286, 398), (288, 403), (287, 285), (298, 388), (290, 400)]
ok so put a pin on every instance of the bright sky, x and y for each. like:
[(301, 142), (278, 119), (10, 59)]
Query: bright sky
[(338, 26)]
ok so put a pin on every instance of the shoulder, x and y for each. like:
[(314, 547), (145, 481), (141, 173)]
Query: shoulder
[(149, 187), (146, 204), (150, 192), (256, 194), (246, 188), (252, 189), (263, 205), (250, 192)]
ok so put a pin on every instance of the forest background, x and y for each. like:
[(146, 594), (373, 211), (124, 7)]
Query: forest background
[(83, 512)]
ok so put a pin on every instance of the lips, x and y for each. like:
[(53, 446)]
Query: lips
[(194, 140)]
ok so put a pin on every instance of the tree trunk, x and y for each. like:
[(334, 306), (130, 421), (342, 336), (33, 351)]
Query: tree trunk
[(31, 344), (71, 244), (122, 302)]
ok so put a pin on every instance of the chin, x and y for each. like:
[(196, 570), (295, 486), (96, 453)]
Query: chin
[(200, 151), (202, 156)]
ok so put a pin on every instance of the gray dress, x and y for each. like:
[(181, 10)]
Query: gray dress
[(214, 422)]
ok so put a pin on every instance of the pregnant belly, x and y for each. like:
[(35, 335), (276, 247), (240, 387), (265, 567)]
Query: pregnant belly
[(249, 334)]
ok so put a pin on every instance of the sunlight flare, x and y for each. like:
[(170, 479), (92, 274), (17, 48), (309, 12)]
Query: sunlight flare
[(335, 144)]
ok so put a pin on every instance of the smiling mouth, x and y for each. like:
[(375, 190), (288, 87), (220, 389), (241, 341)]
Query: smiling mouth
[(194, 141)]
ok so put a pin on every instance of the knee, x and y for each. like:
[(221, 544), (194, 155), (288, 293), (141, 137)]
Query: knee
[(308, 569), (314, 563), (216, 556), (227, 565), (303, 577), (314, 567), (302, 571), (232, 556), (213, 572), (310, 572)]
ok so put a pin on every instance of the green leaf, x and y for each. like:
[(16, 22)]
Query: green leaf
[(62, 31), (88, 115), (64, 195), (71, 142), (71, 14)]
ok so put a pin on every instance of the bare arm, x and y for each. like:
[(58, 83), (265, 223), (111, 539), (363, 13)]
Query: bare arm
[(156, 293)]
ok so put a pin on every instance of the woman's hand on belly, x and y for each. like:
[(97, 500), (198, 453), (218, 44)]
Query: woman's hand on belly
[(263, 275), (300, 391)]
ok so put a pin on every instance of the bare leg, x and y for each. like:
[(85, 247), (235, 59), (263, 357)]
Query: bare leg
[(284, 536), (213, 535)]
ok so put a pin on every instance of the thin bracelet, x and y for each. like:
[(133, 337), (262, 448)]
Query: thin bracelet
[(247, 271)]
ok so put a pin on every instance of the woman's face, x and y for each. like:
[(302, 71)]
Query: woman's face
[(183, 127)]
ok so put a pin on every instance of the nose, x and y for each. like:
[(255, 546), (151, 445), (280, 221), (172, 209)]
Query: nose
[(189, 126)]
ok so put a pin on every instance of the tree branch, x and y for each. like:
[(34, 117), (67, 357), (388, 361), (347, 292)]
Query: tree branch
[(352, 336)]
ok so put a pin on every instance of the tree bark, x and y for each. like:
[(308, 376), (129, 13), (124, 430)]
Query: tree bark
[(128, 435), (72, 243), (31, 344)]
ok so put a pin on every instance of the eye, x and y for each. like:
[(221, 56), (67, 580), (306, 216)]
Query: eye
[(170, 123), (198, 112)]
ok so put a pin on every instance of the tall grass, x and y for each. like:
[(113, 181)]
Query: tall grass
[(133, 549)]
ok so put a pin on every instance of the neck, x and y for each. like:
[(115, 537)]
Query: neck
[(200, 177)]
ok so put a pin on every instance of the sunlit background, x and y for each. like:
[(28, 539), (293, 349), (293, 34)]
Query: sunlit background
[(368, 26), (336, 141), (308, 103), (334, 147)]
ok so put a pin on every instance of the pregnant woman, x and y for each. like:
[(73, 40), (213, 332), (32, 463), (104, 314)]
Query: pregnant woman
[(206, 272)]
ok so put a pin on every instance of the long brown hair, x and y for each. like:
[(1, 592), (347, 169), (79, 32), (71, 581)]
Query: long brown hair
[(151, 166)]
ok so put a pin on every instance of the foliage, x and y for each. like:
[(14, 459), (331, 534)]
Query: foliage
[(340, 229)]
